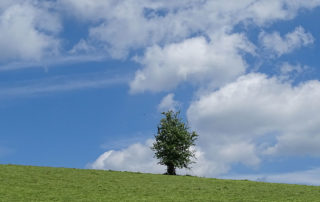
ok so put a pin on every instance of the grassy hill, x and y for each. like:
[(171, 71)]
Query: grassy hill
[(28, 183)]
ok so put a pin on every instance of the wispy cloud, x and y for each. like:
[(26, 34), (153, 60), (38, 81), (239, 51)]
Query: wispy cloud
[(168, 103), (52, 62), (5, 151), (62, 84), (306, 177), (280, 45)]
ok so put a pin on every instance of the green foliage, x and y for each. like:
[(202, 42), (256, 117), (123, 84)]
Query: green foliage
[(173, 143), (28, 183)]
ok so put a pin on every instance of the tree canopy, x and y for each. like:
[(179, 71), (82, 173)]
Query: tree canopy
[(173, 143)]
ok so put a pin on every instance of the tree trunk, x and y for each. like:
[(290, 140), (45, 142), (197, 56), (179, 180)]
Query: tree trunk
[(171, 169)]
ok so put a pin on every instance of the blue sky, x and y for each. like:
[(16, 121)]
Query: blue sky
[(83, 83)]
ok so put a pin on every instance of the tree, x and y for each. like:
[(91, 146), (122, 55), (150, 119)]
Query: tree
[(173, 143)]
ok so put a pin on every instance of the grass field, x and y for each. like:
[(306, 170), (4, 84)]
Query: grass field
[(28, 183)]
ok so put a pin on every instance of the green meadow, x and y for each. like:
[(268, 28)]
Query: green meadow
[(29, 183)]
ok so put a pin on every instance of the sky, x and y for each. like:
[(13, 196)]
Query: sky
[(83, 84)]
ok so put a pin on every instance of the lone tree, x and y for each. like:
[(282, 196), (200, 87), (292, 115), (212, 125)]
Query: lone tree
[(173, 143)]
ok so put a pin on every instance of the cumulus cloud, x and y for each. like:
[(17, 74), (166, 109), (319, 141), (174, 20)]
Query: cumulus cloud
[(256, 107), (137, 158), (282, 45), (168, 103), (195, 60), (126, 25), (28, 31)]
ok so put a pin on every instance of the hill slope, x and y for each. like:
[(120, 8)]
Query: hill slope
[(28, 183)]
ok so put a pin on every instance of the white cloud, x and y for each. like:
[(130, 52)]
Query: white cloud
[(195, 60), (283, 45), (137, 158), (86, 10), (233, 120), (6, 3), (306, 177), (287, 68), (268, 11), (289, 71), (129, 24), (27, 31), (168, 103)]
